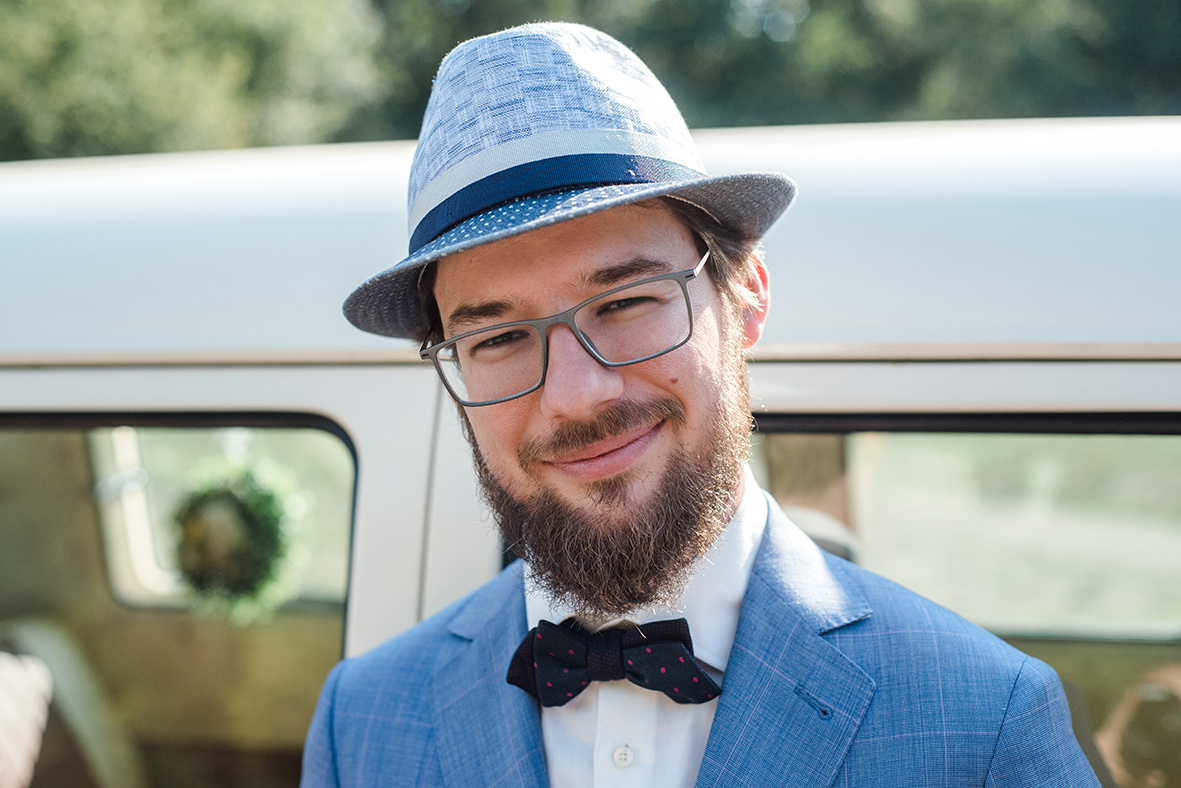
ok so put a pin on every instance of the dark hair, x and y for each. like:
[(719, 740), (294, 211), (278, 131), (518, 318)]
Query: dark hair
[(731, 252), (428, 307), (731, 261)]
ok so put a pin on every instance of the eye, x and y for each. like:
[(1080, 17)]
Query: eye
[(625, 303), (498, 340)]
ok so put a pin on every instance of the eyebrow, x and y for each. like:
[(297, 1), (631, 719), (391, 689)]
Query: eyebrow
[(636, 267), (469, 314)]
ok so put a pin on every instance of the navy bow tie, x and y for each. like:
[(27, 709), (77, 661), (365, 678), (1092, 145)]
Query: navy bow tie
[(556, 662)]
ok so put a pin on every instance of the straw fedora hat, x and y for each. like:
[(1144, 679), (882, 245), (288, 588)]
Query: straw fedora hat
[(536, 125)]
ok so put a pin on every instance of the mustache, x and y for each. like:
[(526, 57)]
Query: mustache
[(615, 419)]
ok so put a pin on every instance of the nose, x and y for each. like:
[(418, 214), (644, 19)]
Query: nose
[(575, 383)]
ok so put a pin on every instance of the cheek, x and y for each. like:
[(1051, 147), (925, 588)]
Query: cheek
[(499, 431), (704, 361), (493, 435), (690, 373), (709, 366), (708, 318)]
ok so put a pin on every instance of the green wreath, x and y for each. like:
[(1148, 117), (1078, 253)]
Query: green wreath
[(231, 538)]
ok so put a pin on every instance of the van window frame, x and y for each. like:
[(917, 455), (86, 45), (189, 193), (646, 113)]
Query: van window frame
[(223, 419), (1045, 423)]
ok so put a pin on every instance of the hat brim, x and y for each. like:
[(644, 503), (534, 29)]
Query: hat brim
[(387, 304)]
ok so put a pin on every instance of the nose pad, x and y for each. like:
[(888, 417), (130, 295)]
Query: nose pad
[(575, 382), (591, 344)]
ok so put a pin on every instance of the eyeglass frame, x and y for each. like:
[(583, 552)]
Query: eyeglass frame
[(544, 324)]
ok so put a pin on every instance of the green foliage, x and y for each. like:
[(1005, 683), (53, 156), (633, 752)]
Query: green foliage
[(231, 538), (118, 76), (756, 62), (741, 62), (83, 77)]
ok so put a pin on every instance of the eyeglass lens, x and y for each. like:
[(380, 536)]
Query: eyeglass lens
[(630, 324)]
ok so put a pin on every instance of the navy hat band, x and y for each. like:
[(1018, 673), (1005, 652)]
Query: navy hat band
[(538, 177)]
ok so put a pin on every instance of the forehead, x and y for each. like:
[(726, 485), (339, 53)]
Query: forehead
[(558, 263)]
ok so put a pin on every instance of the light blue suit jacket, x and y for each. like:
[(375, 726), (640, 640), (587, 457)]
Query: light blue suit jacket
[(837, 677)]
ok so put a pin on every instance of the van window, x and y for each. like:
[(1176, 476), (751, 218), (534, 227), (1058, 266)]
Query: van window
[(1066, 545), (145, 476), (1045, 534), (140, 666)]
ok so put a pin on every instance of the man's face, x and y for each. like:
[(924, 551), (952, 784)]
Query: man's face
[(619, 476)]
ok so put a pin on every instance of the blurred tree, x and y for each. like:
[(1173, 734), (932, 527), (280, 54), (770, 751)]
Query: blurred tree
[(123, 76), (741, 62), (749, 62), (111, 76)]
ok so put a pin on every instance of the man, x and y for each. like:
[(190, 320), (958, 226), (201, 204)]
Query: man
[(586, 292)]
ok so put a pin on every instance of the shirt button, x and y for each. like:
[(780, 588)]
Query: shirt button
[(623, 757)]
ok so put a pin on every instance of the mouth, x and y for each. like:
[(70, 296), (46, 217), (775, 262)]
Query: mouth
[(608, 457)]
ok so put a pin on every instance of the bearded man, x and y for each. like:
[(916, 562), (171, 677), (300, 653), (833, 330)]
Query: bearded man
[(586, 293)]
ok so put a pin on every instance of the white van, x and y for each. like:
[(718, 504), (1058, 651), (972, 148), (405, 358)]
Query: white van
[(970, 382)]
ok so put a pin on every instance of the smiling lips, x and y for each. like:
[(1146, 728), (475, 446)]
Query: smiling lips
[(609, 457)]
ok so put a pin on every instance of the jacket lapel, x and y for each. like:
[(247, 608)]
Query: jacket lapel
[(791, 702), (488, 731)]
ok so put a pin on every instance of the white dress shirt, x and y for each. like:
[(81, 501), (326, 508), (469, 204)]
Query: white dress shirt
[(617, 734)]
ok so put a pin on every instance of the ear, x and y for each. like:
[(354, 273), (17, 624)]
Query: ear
[(754, 314)]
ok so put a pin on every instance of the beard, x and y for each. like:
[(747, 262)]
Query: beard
[(622, 554)]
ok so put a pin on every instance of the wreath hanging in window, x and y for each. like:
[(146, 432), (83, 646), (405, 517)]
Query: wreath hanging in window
[(232, 540)]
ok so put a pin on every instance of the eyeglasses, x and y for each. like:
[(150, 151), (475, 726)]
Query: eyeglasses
[(625, 325)]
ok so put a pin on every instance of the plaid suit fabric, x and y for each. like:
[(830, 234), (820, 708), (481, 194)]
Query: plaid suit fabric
[(837, 677)]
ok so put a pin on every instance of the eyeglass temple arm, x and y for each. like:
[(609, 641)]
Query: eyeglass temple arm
[(700, 263)]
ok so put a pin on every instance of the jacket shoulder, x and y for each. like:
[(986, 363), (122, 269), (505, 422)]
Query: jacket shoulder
[(904, 621), (929, 663), (943, 682), (375, 713)]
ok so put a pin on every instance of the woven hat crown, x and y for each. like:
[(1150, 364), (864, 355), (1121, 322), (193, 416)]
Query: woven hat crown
[(551, 104)]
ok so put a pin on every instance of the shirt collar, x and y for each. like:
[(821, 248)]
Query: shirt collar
[(712, 600)]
